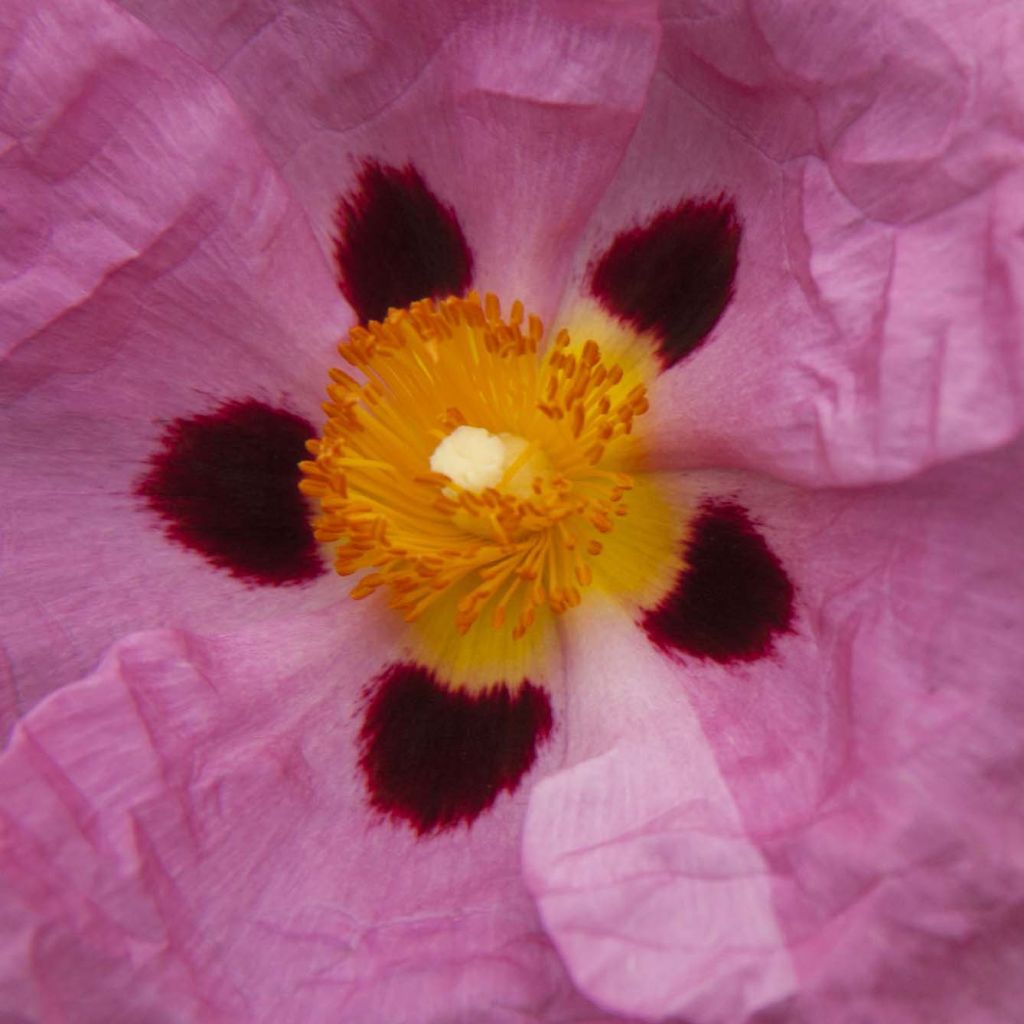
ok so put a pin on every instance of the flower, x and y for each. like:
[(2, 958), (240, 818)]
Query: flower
[(787, 800)]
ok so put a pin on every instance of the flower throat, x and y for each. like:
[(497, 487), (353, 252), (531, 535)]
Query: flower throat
[(470, 467)]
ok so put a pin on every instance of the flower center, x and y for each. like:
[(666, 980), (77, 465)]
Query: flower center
[(476, 459), (472, 464)]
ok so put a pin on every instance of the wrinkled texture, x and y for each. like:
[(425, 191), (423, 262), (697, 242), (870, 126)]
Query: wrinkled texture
[(859, 792), (189, 823), (874, 155), (636, 852), (829, 834), (155, 265), (515, 114)]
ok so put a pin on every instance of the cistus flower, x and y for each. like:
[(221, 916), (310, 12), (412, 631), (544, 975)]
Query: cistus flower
[(671, 448)]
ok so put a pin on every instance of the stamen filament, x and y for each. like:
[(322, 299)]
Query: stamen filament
[(511, 548)]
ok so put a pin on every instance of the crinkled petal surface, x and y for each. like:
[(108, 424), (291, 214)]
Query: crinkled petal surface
[(153, 266), (645, 877), (186, 837), (875, 156), (516, 113), (829, 834), (833, 834)]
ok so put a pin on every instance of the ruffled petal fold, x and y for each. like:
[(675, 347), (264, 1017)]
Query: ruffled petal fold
[(516, 115), (644, 875), (873, 153), (872, 766), (155, 267), (187, 837), (828, 830)]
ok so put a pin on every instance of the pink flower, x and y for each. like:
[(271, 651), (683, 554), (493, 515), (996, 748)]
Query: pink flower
[(786, 790)]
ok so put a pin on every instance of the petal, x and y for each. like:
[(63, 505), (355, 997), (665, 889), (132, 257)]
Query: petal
[(874, 160), (645, 879), (188, 838), (877, 759), (872, 766), (515, 116), (159, 268)]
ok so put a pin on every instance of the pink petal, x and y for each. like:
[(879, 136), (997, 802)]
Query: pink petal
[(516, 115), (871, 771), (188, 838), (656, 898), (155, 265), (874, 156), (890, 817)]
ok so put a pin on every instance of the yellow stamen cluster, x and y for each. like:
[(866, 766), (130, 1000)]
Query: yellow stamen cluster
[(507, 550)]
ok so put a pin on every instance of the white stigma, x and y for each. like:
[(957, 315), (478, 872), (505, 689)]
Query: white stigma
[(474, 458)]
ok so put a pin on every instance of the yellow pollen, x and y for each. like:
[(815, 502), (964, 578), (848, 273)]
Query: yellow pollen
[(469, 459)]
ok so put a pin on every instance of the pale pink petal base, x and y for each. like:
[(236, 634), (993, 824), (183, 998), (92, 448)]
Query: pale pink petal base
[(637, 855), (871, 769), (188, 839)]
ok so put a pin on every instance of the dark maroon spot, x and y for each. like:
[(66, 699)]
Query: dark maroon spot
[(672, 276), (397, 242), (436, 757), (226, 486), (734, 597)]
